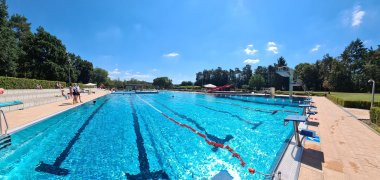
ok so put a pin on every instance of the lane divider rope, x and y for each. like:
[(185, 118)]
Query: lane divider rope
[(215, 144)]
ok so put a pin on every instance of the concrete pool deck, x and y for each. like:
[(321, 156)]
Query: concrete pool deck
[(20, 118), (348, 148)]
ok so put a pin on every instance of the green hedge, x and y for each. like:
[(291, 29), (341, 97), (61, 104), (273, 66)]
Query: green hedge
[(302, 93), (23, 83), (375, 115), (187, 87), (350, 103)]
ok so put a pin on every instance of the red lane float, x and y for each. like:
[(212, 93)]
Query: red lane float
[(215, 144), (251, 170)]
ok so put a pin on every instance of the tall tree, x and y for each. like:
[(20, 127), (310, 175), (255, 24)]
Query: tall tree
[(324, 68), (246, 74), (48, 57), (99, 76), (86, 69), (9, 50), (162, 83), (186, 83), (24, 37), (257, 82), (263, 72), (280, 82), (353, 57), (308, 73)]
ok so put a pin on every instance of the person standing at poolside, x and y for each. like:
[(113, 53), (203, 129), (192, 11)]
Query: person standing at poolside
[(80, 100), (70, 92), (75, 93)]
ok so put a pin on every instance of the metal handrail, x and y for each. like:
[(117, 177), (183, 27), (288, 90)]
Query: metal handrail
[(6, 123)]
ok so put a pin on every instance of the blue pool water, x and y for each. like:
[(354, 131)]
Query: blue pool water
[(125, 136)]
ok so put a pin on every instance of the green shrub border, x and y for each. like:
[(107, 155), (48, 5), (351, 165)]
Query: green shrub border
[(187, 87), (374, 114), (302, 93), (351, 104), (23, 83)]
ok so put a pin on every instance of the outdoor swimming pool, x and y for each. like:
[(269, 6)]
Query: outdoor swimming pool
[(126, 136)]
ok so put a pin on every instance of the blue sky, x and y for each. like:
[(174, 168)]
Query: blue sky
[(145, 39)]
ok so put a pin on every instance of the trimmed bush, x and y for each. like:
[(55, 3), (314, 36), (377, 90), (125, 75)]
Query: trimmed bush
[(187, 87), (23, 83), (302, 93), (375, 115), (352, 104)]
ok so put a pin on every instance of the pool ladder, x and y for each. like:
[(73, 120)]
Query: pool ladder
[(5, 138)]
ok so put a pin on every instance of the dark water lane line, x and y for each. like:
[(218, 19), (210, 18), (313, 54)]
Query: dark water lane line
[(162, 134), (255, 125), (55, 168), (209, 136), (258, 109), (142, 156)]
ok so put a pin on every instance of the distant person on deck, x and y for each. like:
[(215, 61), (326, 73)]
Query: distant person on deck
[(80, 100), (75, 94), (70, 92), (63, 92)]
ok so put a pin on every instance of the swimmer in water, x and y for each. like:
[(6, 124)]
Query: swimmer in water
[(94, 102)]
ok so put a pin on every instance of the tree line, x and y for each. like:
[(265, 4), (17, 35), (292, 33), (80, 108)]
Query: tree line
[(39, 54), (241, 78), (348, 72)]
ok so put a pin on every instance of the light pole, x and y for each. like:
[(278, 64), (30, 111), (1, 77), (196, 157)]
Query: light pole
[(69, 70), (373, 91)]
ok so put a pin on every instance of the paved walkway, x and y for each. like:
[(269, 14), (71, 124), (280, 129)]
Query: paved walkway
[(20, 118), (348, 149), (362, 114)]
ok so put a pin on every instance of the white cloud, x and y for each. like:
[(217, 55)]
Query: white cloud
[(272, 47), (316, 48), (249, 50), (251, 61), (126, 75), (137, 75), (172, 54), (114, 72), (357, 16)]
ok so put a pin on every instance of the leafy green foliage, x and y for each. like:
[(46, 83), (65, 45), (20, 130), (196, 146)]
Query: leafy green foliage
[(256, 82), (186, 83), (100, 76), (375, 115), (308, 73), (162, 83), (22, 83), (187, 87)]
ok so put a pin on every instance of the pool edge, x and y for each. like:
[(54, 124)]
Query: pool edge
[(24, 126)]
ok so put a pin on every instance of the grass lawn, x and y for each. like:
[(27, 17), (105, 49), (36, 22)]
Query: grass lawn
[(342, 95), (356, 96)]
